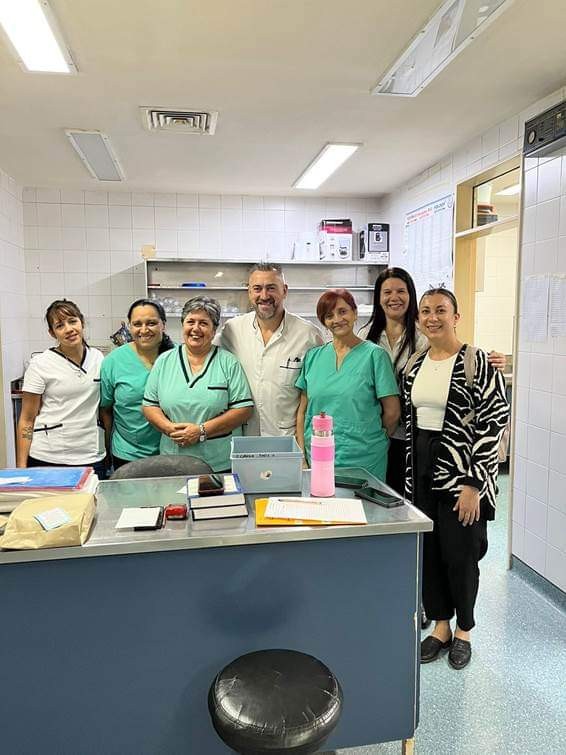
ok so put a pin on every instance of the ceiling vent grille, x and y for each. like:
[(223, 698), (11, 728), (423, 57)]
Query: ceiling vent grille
[(182, 121)]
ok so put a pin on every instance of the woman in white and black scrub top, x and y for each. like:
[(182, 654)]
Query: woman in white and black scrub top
[(59, 425)]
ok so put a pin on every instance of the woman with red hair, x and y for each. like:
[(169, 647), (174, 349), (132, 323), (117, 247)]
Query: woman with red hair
[(352, 380)]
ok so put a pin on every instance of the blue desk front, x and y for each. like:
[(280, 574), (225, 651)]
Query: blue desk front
[(115, 653)]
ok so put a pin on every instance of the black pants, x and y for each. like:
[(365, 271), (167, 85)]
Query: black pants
[(397, 465), (451, 551)]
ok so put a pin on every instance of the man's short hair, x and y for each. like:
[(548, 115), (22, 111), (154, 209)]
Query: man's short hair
[(267, 267)]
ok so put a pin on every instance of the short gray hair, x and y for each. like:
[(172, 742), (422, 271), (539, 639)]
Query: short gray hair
[(267, 267), (204, 304)]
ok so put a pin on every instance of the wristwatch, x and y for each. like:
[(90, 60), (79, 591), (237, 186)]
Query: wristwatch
[(202, 436)]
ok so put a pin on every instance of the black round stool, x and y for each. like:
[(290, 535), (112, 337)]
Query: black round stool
[(275, 701)]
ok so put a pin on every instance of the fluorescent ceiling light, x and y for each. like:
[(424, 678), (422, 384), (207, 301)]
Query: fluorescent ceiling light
[(96, 152), (510, 191), (35, 36), (329, 159), (453, 27)]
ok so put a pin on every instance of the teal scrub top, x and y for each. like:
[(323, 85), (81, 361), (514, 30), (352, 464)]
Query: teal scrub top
[(352, 396), (184, 397), (122, 383)]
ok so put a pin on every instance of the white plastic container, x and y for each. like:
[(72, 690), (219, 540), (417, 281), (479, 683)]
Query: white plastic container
[(267, 465)]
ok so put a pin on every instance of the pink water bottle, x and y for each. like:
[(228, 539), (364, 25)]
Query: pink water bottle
[(322, 456)]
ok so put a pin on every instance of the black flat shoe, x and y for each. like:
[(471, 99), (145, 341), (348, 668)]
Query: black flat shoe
[(431, 647), (460, 653)]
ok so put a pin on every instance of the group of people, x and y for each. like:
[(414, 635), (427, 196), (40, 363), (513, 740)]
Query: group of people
[(268, 372)]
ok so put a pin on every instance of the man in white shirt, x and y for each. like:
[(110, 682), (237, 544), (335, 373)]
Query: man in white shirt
[(270, 344)]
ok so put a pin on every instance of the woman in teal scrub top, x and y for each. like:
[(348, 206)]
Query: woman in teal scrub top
[(352, 380), (197, 395), (123, 376)]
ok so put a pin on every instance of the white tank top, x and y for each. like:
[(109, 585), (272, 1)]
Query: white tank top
[(430, 392)]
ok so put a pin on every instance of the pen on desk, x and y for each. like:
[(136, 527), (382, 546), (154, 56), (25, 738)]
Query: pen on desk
[(300, 500)]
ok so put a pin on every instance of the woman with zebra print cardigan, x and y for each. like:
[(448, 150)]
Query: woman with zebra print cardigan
[(453, 429)]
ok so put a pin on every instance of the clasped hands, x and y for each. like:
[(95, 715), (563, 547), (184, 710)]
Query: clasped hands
[(185, 433), (468, 505)]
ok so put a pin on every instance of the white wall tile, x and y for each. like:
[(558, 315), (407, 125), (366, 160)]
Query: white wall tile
[(509, 130), (120, 198), (522, 368), (535, 517), (231, 202), (547, 220), (545, 256), (98, 262), (537, 481), (52, 196), (521, 439), (541, 372), (120, 216), (530, 188), (209, 218), (231, 218), (142, 199), (187, 217), (557, 452), (49, 215), (30, 237), (29, 194), (75, 262), (166, 217), (187, 200), (539, 410), (120, 239), (73, 215), (165, 200), (534, 552), (519, 503), (73, 238), (269, 203), (557, 529), (538, 448), (562, 221), (96, 216), (30, 214), (97, 239), (253, 220), (49, 238), (166, 240), (529, 225), (557, 490), (141, 237), (209, 201), (558, 422), (188, 240), (96, 197), (549, 180), (119, 262), (72, 196), (143, 217)]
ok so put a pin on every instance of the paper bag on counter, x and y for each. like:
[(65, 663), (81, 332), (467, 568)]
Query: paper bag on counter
[(23, 531)]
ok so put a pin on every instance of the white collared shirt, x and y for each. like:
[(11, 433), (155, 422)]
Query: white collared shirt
[(66, 430), (271, 369)]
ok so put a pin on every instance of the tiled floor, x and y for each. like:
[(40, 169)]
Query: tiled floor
[(511, 699)]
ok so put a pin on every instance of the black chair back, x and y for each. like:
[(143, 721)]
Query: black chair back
[(162, 466)]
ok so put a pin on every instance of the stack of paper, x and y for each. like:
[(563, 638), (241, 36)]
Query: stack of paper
[(19, 484), (309, 511)]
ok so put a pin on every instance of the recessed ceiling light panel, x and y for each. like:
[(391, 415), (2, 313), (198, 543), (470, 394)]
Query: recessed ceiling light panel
[(34, 35), (453, 27), (96, 152), (329, 159)]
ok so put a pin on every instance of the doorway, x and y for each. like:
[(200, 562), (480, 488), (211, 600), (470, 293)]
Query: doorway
[(486, 264)]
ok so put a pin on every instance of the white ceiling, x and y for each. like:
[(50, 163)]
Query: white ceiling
[(285, 75)]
